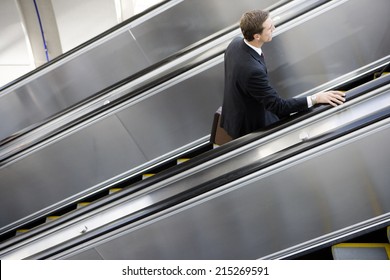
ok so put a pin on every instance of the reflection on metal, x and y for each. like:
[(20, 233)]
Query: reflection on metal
[(84, 158), (299, 65), (338, 118)]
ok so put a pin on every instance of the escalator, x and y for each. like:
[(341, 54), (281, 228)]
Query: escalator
[(185, 77), (152, 211)]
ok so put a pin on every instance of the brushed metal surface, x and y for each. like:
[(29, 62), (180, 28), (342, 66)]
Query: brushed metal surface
[(327, 45), (189, 22), (177, 115), (65, 168), (70, 83)]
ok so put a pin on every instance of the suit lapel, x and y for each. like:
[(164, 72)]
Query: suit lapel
[(253, 53), (258, 58)]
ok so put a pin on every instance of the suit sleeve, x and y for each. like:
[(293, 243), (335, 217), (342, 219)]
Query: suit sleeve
[(258, 86)]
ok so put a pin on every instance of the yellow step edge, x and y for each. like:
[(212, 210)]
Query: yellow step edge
[(376, 75), (388, 233), (215, 146), (386, 246), (181, 160), (361, 245), (82, 204), (52, 218), (21, 231), (114, 190), (147, 175)]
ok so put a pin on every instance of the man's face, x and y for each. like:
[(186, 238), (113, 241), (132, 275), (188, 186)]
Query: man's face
[(266, 35)]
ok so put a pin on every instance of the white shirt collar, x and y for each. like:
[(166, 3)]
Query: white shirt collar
[(258, 50)]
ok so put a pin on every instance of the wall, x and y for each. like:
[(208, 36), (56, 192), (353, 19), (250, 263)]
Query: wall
[(75, 21), (15, 52)]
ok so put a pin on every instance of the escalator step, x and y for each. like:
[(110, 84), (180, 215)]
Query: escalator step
[(51, 218), (378, 74), (114, 190), (147, 175), (361, 251), (82, 204), (181, 160), (21, 231)]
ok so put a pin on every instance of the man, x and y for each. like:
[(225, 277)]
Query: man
[(250, 102)]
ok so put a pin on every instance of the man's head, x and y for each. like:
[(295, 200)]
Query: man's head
[(257, 26)]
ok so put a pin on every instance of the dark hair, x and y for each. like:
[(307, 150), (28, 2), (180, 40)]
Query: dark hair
[(251, 23)]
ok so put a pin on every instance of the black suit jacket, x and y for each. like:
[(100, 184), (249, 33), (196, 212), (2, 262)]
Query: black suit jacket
[(250, 102)]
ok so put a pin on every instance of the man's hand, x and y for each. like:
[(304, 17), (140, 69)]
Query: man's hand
[(332, 97)]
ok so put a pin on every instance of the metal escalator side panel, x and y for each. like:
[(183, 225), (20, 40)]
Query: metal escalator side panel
[(301, 198), (209, 176)]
